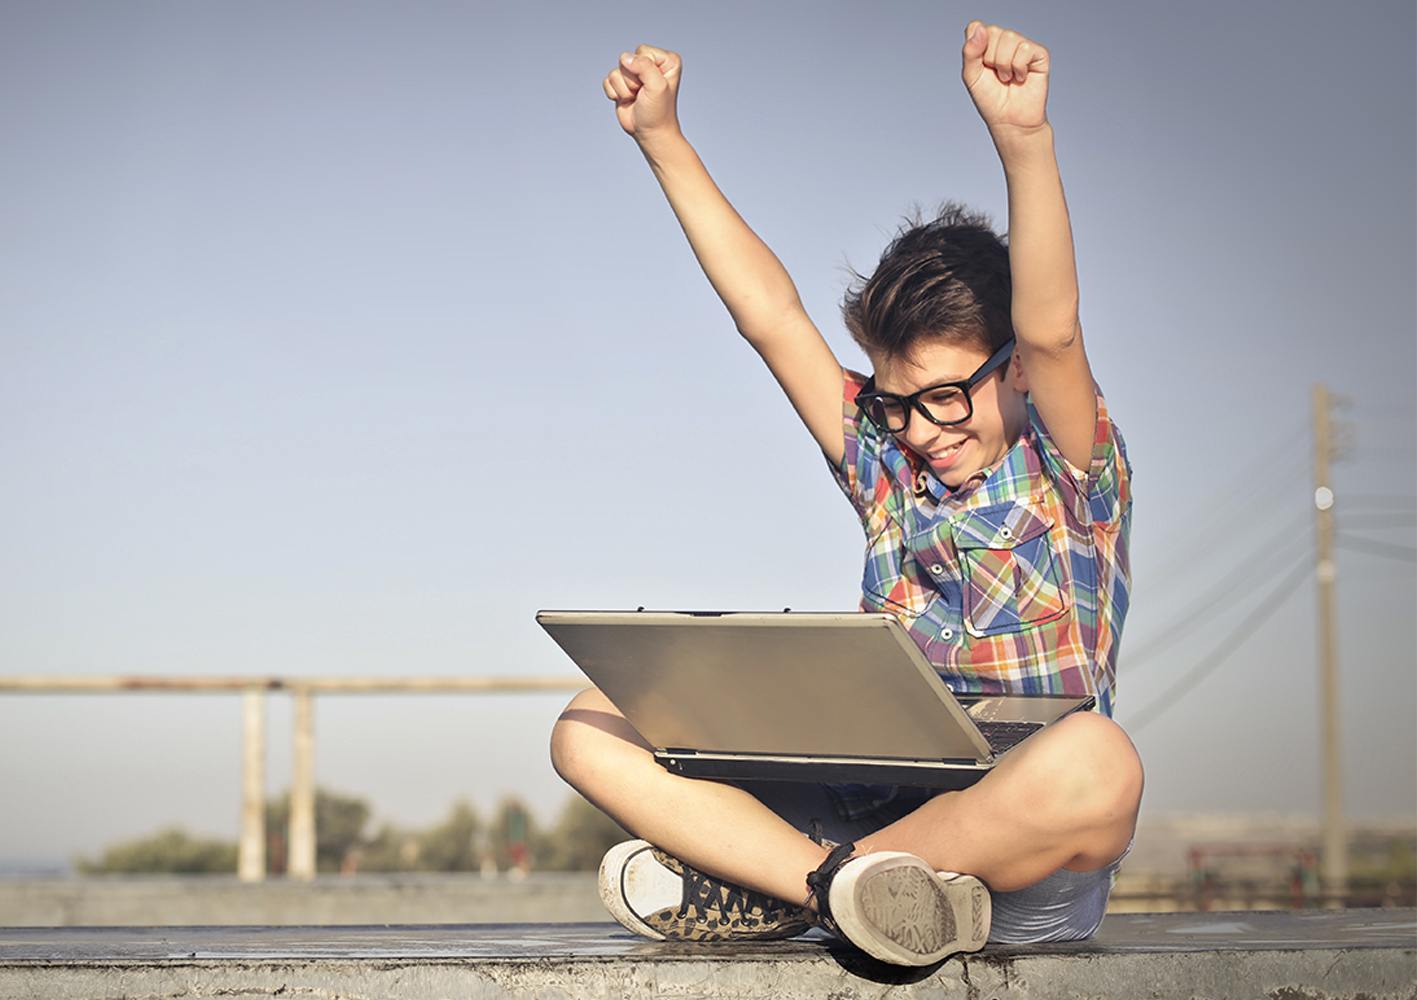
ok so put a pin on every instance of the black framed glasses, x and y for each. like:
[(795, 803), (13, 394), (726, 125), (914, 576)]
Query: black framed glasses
[(945, 404)]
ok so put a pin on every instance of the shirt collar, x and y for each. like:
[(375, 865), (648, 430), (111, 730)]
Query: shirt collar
[(926, 483)]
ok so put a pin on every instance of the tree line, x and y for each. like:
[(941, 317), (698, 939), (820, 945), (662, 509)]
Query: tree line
[(511, 839)]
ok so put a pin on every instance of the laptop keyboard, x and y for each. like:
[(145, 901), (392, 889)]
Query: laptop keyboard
[(1002, 735)]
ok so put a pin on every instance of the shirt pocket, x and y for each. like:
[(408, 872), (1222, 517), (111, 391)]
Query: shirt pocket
[(1011, 578), (886, 583)]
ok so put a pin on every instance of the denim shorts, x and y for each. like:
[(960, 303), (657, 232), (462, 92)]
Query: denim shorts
[(1065, 906)]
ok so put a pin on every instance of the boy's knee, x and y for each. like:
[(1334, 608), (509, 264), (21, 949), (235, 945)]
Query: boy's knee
[(589, 739), (566, 742), (1097, 772)]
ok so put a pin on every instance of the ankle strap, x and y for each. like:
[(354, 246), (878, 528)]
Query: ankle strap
[(819, 881)]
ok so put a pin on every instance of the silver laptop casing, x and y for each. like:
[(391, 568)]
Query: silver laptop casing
[(805, 696)]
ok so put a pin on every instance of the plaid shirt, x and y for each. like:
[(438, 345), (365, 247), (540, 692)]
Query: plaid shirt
[(1015, 582)]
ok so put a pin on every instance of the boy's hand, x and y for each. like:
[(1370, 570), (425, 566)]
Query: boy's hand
[(644, 88), (1007, 76)]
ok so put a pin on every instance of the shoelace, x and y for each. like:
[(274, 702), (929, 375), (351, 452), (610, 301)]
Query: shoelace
[(703, 894)]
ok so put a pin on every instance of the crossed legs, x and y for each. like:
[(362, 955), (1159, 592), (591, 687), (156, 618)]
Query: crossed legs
[(1067, 798)]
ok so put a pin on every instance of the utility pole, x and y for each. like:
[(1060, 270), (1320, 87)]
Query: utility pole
[(1334, 869)]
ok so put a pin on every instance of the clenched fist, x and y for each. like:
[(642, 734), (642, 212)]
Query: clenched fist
[(644, 88), (1007, 76)]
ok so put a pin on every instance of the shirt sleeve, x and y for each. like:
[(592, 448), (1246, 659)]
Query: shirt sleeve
[(1103, 490), (859, 471)]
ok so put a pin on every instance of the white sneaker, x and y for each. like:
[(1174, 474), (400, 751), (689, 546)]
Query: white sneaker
[(658, 896), (895, 907)]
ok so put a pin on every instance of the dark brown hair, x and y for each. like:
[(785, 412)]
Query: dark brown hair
[(944, 279)]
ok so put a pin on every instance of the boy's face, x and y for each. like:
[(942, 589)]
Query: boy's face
[(957, 452)]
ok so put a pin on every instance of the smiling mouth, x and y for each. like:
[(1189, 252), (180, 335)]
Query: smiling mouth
[(946, 455)]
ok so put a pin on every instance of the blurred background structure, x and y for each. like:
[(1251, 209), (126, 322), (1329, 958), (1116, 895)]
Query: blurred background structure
[(337, 340)]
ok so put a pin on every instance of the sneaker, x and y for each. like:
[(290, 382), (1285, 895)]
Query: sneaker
[(658, 896), (895, 907)]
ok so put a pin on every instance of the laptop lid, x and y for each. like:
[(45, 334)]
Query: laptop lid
[(800, 683)]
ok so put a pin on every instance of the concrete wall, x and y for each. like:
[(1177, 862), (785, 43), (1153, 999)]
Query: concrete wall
[(1315, 955), (146, 901)]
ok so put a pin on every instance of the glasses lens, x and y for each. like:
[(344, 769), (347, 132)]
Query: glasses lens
[(887, 413), (949, 405)]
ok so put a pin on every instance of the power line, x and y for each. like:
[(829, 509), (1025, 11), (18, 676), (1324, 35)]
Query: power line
[(1378, 519), (1255, 479), (1367, 545), (1247, 568), (1182, 556), (1206, 666), (1379, 451), (1379, 500), (1363, 406)]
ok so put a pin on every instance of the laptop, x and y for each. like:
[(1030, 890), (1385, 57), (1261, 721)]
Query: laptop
[(834, 697)]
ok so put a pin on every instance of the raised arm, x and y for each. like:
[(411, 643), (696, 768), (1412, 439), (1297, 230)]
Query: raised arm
[(747, 276), (1007, 77)]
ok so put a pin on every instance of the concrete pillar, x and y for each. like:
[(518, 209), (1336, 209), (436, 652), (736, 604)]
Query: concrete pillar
[(301, 863), (251, 852)]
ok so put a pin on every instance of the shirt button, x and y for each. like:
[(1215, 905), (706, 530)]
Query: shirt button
[(1005, 533), (947, 634), (937, 569)]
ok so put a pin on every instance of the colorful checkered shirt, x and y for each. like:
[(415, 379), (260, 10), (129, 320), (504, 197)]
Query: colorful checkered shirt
[(1015, 582)]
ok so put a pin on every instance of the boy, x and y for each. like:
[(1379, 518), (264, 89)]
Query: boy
[(994, 490)]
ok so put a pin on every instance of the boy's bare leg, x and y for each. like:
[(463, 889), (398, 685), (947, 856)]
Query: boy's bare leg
[(1066, 798), (717, 828)]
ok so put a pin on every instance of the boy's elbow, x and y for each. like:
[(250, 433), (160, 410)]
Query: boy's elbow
[(768, 323), (1057, 332)]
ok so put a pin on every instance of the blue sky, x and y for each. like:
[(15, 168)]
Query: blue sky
[(340, 338)]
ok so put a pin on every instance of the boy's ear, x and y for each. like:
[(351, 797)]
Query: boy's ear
[(1018, 381)]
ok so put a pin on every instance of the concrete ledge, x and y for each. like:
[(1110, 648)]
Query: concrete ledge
[(188, 900), (1305, 955)]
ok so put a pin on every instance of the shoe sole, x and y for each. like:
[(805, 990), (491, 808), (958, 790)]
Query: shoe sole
[(894, 908), (615, 882)]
